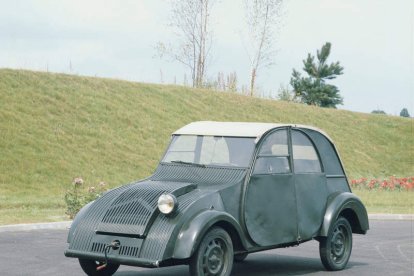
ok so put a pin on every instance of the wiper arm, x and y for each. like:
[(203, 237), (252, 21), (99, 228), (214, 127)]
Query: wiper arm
[(188, 163)]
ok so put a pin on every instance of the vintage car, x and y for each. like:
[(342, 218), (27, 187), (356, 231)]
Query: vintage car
[(221, 191)]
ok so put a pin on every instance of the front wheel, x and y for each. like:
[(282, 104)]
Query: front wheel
[(336, 248), (89, 267), (214, 255)]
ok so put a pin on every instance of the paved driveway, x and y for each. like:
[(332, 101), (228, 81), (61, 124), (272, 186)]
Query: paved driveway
[(387, 249)]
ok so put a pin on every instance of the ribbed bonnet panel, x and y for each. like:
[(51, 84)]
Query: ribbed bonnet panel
[(132, 211), (125, 210), (162, 228), (86, 229)]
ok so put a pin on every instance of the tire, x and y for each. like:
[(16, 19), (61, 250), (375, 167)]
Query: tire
[(214, 255), (89, 267), (336, 248), (240, 257)]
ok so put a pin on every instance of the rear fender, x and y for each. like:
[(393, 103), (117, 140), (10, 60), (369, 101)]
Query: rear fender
[(347, 205), (194, 230)]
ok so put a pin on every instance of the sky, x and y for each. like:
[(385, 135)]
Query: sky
[(372, 39)]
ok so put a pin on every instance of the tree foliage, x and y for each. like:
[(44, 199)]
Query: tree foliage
[(404, 113), (313, 89), (378, 111)]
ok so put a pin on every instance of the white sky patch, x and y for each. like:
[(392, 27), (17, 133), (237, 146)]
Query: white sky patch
[(373, 40), (96, 14)]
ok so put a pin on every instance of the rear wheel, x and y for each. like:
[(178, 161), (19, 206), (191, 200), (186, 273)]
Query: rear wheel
[(89, 267), (214, 255), (336, 248)]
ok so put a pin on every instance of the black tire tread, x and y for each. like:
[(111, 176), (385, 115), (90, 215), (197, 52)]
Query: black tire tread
[(213, 232), (325, 247), (89, 267)]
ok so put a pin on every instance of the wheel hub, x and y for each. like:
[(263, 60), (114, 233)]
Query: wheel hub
[(338, 244), (214, 258)]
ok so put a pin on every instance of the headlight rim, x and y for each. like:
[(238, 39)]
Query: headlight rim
[(172, 199)]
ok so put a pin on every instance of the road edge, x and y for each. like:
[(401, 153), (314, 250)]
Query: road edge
[(35, 226)]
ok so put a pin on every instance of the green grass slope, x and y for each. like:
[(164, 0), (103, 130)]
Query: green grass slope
[(54, 127)]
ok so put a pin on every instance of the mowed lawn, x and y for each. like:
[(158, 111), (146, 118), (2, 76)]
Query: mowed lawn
[(55, 127)]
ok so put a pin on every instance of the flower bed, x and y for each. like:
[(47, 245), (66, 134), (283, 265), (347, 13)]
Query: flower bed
[(391, 183)]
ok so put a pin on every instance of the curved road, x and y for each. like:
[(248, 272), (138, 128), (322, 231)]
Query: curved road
[(387, 249)]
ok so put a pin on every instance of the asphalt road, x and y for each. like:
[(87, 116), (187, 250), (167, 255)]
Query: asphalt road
[(387, 249)]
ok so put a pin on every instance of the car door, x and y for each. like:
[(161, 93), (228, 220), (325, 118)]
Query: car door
[(270, 204), (310, 184)]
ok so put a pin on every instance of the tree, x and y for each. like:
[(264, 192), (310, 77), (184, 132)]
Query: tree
[(285, 94), (404, 113), (191, 20), (223, 83), (263, 20), (313, 89), (378, 111), (228, 82)]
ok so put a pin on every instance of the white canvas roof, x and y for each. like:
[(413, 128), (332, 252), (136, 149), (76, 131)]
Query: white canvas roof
[(235, 129)]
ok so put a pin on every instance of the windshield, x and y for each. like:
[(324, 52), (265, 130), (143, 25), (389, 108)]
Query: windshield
[(210, 150)]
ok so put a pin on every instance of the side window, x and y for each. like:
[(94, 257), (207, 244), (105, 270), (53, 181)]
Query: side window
[(273, 156), (305, 158)]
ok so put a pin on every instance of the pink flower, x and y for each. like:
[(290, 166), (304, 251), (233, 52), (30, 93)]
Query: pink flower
[(78, 181)]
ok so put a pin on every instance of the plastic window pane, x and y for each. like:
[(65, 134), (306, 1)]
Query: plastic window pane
[(273, 155), (305, 158), (214, 151), (275, 144), (182, 148)]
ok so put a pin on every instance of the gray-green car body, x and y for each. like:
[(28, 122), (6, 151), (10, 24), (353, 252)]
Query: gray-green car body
[(266, 185)]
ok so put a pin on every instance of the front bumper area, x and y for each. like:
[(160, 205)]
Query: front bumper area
[(117, 259)]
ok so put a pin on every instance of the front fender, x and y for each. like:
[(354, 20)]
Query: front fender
[(76, 220), (194, 230), (348, 205)]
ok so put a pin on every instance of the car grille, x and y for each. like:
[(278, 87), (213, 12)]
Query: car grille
[(132, 251)]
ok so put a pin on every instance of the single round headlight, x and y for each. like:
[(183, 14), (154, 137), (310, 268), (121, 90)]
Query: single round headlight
[(167, 203)]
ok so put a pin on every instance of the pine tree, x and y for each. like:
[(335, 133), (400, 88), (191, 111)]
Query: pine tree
[(313, 90), (404, 113)]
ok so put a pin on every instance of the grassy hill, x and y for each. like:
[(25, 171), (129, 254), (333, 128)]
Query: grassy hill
[(54, 127)]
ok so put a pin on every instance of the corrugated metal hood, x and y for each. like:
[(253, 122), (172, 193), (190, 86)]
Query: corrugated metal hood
[(133, 211)]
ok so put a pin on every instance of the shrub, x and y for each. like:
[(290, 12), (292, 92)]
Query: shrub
[(378, 111), (78, 195)]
